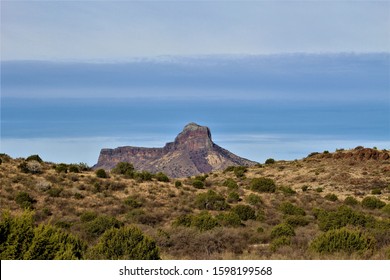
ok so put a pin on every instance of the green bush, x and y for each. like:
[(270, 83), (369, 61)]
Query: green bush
[(331, 197), (254, 199), (133, 202), (99, 225), (143, 176), (231, 184), (61, 168), (123, 168), (245, 212), (211, 201), (101, 173), (288, 208), (376, 191), (16, 235), (386, 209), (204, 221), (229, 219), (24, 200), (343, 239), (372, 202), (183, 220), (51, 243), (351, 201), (88, 216), (233, 197), (280, 242), (126, 243), (54, 192), (239, 171), (34, 157), (343, 216), (287, 190), (161, 177), (319, 189), (270, 161), (305, 188), (296, 221), (262, 185), (198, 184), (281, 230), (74, 168), (178, 184)]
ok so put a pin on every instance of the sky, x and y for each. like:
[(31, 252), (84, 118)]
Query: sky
[(118, 30), (270, 78)]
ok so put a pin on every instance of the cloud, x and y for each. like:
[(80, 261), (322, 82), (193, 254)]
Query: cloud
[(85, 30)]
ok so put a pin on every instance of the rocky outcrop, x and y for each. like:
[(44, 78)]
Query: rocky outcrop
[(193, 152)]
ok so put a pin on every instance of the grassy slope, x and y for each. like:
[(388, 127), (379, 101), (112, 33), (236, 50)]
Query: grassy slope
[(61, 198)]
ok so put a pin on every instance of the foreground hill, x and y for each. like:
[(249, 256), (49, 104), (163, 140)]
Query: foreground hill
[(193, 152), (278, 210)]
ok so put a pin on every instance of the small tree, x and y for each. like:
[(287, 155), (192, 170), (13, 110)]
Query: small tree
[(245, 212), (123, 168), (211, 201), (372, 202), (262, 185), (101, 173), (126, 243)]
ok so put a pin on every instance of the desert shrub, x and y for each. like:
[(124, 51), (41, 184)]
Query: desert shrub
[(386, 209), (198, 184), (123, 168), (143, 176), (132, 202), (262, 185), (288, 208), (343, 216), (281, 230), (331, 197), (372, 202), (287, 190), (376, 191), (351, 201), (233, 197), (161, 177), (231, 184), (178, 184), (88, 216), (270, 161), (319, 189), (74, 168), (16, 235), (254, 199), (183, 220), (343, 239), (229, 219), (83, 166), (101, 173), (61, 168), (32, 166), (126, 243), (297, 221), (99, 225), (34, 157), (201, 177), (24, 200), (54, 192), (204, 221), (229, 169), (245, 212), (51, 243), (210, 201), (239, 171), (280, 242)]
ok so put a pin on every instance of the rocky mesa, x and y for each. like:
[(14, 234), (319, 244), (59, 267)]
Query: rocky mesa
[(193, 152)]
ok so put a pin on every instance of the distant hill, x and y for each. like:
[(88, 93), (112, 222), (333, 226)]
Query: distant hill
[(193, 152)]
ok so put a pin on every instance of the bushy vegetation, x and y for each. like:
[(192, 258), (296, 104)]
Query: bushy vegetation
[(343, 239), (372, 202), (245, 212), (231, 184), (211, 201), (262, 185), (126, 243), (331, 197), (351, 201), (101, 173), (123, 168), (97, 226), (24, 200), (288, 208), (282, 230), (270, 161), (161, 177)]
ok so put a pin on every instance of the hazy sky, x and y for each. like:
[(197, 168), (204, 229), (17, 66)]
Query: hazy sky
[(117, 30)]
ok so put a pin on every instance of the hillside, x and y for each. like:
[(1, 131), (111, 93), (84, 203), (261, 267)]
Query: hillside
[(278, 210)]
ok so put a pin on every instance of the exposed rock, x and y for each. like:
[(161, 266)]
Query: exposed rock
[(193, 152)]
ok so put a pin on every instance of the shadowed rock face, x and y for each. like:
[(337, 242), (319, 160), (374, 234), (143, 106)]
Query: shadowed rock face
[(193, 152)]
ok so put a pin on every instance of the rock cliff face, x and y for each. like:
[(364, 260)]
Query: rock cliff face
[(193, 152)]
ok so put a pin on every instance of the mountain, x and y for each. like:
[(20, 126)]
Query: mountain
[(193, 152)]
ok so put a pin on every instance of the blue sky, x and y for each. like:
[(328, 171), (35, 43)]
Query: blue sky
[(117, 30), (270, 78)]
